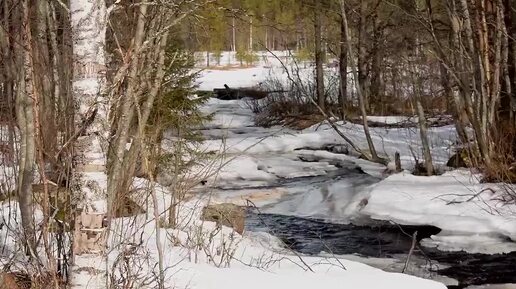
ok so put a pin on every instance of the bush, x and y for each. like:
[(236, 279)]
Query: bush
[(283, 105), (303, 55), (217, 55), (248, 57)]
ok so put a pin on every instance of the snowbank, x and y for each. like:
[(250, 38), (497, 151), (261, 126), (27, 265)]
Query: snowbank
[(198, 255), (472, 215)]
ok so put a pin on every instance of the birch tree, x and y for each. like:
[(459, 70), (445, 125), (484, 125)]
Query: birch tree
[(88, 18)]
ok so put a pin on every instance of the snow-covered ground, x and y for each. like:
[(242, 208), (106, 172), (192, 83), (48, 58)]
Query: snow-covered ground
[(198, 255), (455, 202), (267, 67), (261, 163), (472, 217), (259, 160)]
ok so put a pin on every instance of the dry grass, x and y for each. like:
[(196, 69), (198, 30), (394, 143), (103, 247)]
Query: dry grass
[(503, 163)]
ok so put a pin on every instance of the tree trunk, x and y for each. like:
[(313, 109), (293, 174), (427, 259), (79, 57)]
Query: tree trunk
[(251, 33), (471, 87), (233, 34), (362, 53), (25, 115), (423, 131), (343, 64), (358, 86), (88, 20), (509, 99), (319, 57), (457, 110), (126, 117)]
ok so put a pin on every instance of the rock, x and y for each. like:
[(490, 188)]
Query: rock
[(229, 215), (420, 169), (459, 160), (337, 149)]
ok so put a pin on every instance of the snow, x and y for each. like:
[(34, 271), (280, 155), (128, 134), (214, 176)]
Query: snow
[(390, 119), (277, 139), (191, 260), (234, 78), (229, 71), (494, 286), (267, 67), (263, 156), (455, 202), (326, 276), (270, 167), (476, 243)]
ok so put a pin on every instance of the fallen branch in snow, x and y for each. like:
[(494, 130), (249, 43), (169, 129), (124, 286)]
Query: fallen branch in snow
[(413, 246)]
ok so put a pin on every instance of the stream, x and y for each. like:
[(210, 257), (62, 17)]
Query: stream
[(312, 237), (380, 239), (377, 243)]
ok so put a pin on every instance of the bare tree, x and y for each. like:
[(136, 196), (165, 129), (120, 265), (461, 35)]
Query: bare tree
[(319, 56), (25, 116), (343, 64), (359, 88)]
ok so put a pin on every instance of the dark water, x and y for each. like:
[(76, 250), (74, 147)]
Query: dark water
[(312, 237)]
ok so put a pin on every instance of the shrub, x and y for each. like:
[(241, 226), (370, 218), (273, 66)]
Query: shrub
[(249, 57)]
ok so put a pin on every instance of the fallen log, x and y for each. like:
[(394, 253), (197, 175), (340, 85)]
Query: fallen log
[(228, 93)]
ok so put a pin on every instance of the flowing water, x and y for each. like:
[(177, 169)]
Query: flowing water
[(372, 242)]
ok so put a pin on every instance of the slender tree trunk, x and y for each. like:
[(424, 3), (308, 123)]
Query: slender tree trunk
[(266, 37), (25, 117), (509, 95), (376, 73), (343, 64), (472, 105), (362, 53), (456, 108), (423, 129), (497, 68), (126, 118), (511, 31), (319, 57), (251, 33), (233, 34), (358, 87)]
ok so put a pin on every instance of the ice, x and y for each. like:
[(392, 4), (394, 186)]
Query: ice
[(454, 202), (255, 256), (483, 244)]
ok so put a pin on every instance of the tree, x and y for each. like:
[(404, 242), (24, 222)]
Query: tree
[(25, 116), (343, 63), (319, 56), (359, 88)]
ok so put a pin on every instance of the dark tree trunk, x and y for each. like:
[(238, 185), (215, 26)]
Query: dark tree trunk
[(343, 65), (319, 56)]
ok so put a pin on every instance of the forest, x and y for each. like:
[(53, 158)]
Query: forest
[(294, 143)]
